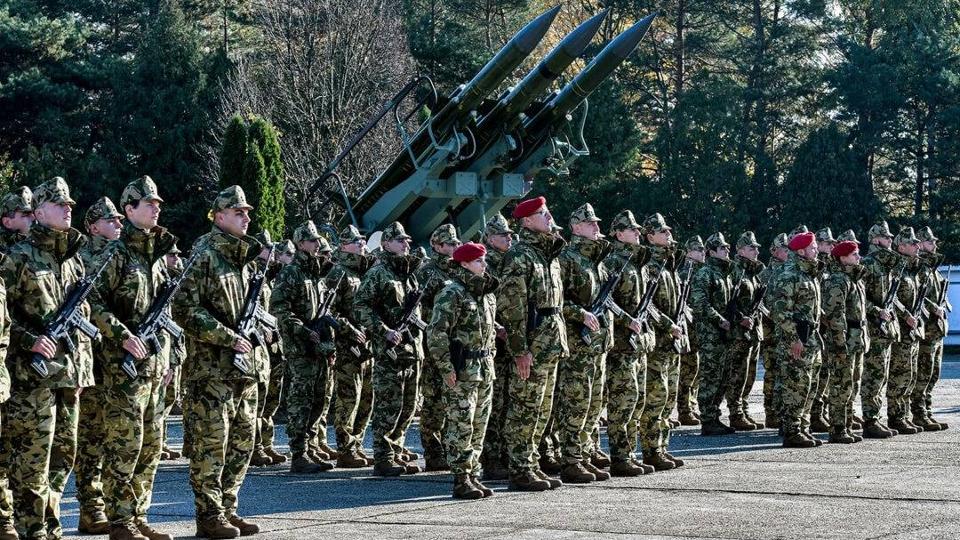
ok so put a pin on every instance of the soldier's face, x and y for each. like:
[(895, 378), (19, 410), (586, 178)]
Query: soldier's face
[(660, 238), (500, 242), (883, 241), (19, 221), (398, 246), (781, 254), (310, 247), (357, 247), (145, 215), (445, 248), (749, 252), (540, 221), (629, 236), (809, 252), (57, 216), (172, 260), (697, 255), (108, 228), (286, 258), (476, 266), (910, 250), (852, 259), (722, 252), (233, 221), (825, 247), (928, 246), (586, 229)]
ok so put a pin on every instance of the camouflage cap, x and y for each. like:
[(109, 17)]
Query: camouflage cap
[(287, 248), (800, 229), (926, 235), (306, 231), (445, 234), (906, 236), (20, 199), (394, 231), (54, 190), (141, 189), (747, 239), (624, 220), (350, 234), (655, 223), (695, 243), (716, 241), (779, 242), (584, 214), (847, 236), (264, 238), (879, 229), (497, 225), (231, 197), (102, 209), (825, 235), (174, 250)]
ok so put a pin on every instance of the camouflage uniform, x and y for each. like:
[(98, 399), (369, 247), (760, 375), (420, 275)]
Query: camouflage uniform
[(270, 383), (378, 307), (178, 353), (220, 401), (688, 382), (710, 293), (354, 374), (769, 350), (433, 275), (819, 410), (845, 337), (931, 345), (745, 349), (904, 353), (42, 413), (20, 199), (531, 280)]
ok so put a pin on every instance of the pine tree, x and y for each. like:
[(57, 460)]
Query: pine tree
[(254, 176), (233, 155)]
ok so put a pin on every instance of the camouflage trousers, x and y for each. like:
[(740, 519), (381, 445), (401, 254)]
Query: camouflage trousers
[(876, 364), (574, 395), (902, 378), (395, 391), (269, 401), (531, 403), (743, 357), (929, 360), (494, 443), (820, 400), (688, 383), (654, 420), (42, 428), (840, 366), (768, 354), (89, 461), (307, 401), (597, 401), (6, 495), (714, 376), (171, 396), (319, 427), (432, 410), (799, 378), (623, 399), (133, 428), (857, 378), (354, 402), (468, 409), (220, 418)]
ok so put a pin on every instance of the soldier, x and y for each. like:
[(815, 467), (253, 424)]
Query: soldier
[(102, 222), (132, 408), (287, 251), (904, 353), (461, 337), (310, 352), (379, 307), (688, 381), (818, 420), (623, 393), (498, 237), (433, 274), (882, 267), (845, 335), (16, 209), (795, 309), (710, 293), (529, 304), (354, 368), (664, 360), (747, 332), (592, 337), (220, 399), (855, 422), (930, 356), (779, 252), (7, 529), (42, 412), (178, 353)]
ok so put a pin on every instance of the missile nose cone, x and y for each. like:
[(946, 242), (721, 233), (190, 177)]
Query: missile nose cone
[(575, 42), (623, 45), (529, 37)]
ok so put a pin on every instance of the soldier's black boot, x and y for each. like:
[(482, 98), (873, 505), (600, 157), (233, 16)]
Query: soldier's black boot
[(647, 469), (797, 440), (840, 436), (600, 459), (550, 465), (856, 438), (808, 434), (818, 424), (873, 430)]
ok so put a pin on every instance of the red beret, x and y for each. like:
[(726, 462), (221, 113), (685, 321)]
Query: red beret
[(842, 249), (528, 207), (801, 241), (468, 252)]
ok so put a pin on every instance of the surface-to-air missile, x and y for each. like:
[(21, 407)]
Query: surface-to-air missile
[(475, 155)]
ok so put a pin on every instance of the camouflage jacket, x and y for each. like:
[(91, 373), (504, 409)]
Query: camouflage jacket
[(494, 260), (826, 266), (629, 293), (299, 291), (767, 275), (710, 293), (907, 298), (209, 305), (5, 384), (795, 303), (348, 270), (37, 273), (178, 348), (531, 279), (463, 321), (433, 275), (686, 273), (378, 303), (89, 253), (882, 266), (123, 295), (8, 238), (845, 310), (583, 273), (667, 298), (935, 328), (749, 272)]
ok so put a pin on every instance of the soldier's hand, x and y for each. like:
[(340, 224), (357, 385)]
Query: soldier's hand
[(316, 338), (635, 327), (725, 325), (45, 347), (332, 361), (268, 337), (911, 321), (450, 379), (241, 345), (939, 313), (360, 337), (167, 377), (394, 337), (501, 333), (523, 365), (796, 350), (135, 347), (747, 323), (676, 331), (590, 321), (886, 315)]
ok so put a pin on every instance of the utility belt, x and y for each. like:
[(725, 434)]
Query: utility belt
[(854, 324), (536, 316), (460, 354)]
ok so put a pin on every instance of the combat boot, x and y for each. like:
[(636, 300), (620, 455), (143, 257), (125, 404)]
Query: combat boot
[(599, 473), (409, 467), (436, 463), (625, 469), (554, 483), (771, 421), (943, 425), (674, 424), (647, 469), (9, 532), (302, 465), (752, 420), (797, 440), (809, 435), (819, 425), (171, 453), (387, 468), (95, 522), (688, 419), (151, 533), (600, 459), (658, 461), (409, 455), (129, 531), (550, 465), (739, 422), (873, 430), (676, 461), (246, 528), (164, 455), (713, 429), (575, 473), (463, 489), (528, 481), (259, 458), (216, 527), (330, 452), (853, 424), (316, 456), (275, 456), (856, 438), (840, 436), (902, 426), (360, 455), (910, 423), (923, 421), (350, 460), (475, 480)]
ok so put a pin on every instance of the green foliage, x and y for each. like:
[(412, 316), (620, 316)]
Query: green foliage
[(233, 154), (250, 157)]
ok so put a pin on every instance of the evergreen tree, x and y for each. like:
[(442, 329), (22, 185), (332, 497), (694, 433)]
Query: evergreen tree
[(269, 193), (233, 154), (254, 176)]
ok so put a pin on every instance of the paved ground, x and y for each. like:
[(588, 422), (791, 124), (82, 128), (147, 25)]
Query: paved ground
[(740, 486)]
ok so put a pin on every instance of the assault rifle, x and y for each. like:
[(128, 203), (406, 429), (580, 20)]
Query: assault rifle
[(917, 309), (157, 318), (643, 309), (891, 297), (253, 316), (599, 305), (408, 317), (732, 312), (324, 324), (682, 343), (70, 317)]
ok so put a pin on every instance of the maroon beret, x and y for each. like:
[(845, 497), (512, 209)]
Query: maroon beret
[(842, 249), (801, 241), (468, 252), (528, 207)]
